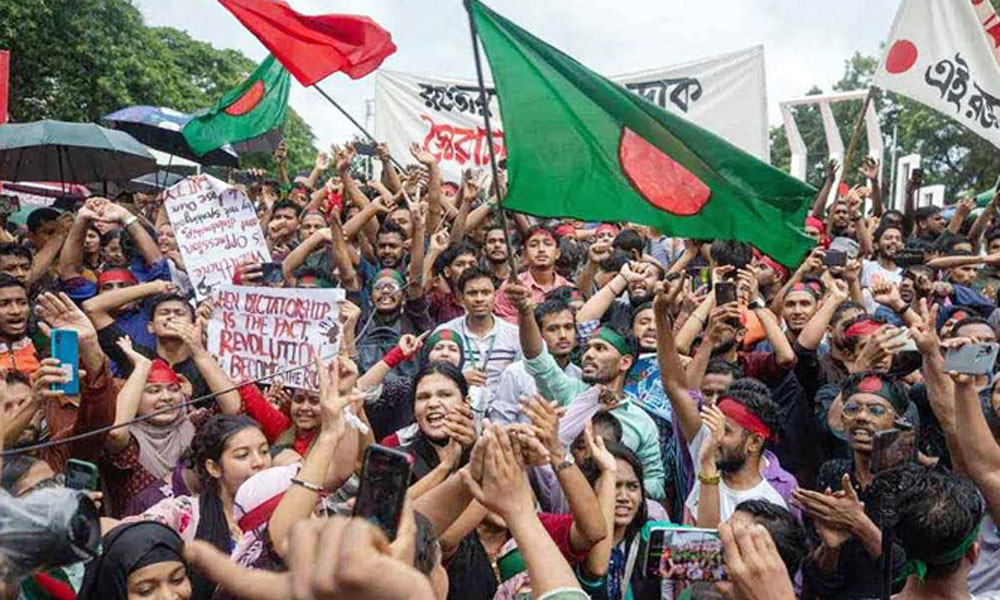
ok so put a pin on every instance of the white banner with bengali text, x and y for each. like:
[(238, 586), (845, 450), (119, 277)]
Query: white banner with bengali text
[(725, 94), (216, 228), (946, 55)]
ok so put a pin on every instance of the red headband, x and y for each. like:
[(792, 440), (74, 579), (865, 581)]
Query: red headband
[(864, 327), (743, 417), (160, 372), (564, 230), (116, 275), (775, 266), (604, 226)]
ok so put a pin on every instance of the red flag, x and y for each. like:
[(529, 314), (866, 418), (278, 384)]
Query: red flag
[(313, 47), (4, 76)]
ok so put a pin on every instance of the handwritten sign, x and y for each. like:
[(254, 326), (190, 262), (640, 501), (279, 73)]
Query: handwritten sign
[(259, 331), (216, 228)]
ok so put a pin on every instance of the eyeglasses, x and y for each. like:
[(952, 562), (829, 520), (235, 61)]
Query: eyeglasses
[(852, 409), (387, 286)]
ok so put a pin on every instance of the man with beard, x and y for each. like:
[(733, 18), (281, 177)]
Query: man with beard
[(541, 250), (392, 318), (800, 305), (847, 562), (496, 253), (558, 327), (638, 279), (606, 361), (888, 241), (928, 223), (17, 351), (730, 462)]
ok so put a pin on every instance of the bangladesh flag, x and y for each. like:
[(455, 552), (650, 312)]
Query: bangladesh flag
[(579, 145), (254, 108)]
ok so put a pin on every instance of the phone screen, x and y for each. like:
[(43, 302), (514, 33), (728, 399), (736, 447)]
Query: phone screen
[(81, 475), (686, 554), (385, 477), (892, 448), (725, 293)]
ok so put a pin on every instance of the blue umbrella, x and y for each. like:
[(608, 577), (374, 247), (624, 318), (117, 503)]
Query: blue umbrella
[(160, 127)]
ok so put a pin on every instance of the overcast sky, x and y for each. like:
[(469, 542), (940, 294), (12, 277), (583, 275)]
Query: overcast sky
[(805, 41)]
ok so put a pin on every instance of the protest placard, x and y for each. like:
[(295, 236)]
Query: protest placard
[(216, 228), (259, 331)]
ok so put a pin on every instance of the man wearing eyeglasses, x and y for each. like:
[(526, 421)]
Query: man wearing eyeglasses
[(847, 562)]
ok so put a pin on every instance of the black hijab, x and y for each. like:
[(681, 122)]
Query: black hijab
[(125, 549)]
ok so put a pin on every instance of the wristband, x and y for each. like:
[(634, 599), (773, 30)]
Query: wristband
[(703, 479), (130, 221), (312, 487), (394, 357)]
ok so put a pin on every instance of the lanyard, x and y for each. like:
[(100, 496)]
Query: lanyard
[(489, 351)]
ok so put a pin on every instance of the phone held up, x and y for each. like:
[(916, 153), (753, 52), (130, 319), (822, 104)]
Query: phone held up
[(893, 448), (685, 554), (81, 475), (65, 348), (385, 478), (972, 359)]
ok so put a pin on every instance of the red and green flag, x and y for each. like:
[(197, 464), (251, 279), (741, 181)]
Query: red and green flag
[(255, 107), (579, 145)]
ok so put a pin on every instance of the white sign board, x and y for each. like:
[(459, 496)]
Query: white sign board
[(260, 331), (216, 228), (725, 94)]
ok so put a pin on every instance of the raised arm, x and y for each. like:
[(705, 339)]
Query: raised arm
[(301, 252), (671, 371), (71, 255), (341, 255), (599, 303), (415, 285), (144, 242), (128, 396), (390, 176), (812, 334), (100, 306), (529, 332), (979, 449), (819, 204), (218, 382), (870, 169)]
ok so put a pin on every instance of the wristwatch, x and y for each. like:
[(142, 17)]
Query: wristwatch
[(567, 462)]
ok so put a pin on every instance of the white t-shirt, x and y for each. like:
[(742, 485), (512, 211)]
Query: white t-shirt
[(729, 498), (870, 269)]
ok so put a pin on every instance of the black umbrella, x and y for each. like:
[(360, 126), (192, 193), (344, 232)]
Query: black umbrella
[(70, 152), (160, 127)]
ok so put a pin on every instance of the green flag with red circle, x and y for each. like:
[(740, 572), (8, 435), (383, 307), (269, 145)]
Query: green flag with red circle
[(255, 107), (581, 146)]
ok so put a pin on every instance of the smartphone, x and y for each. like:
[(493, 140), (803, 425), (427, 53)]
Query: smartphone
[(972, 359), (845, 245), (685, 554), (385, 477), (835, 258), (9, 204), (908, 258), (699, 277), (893, 448), (272, 274), (725, 292), (365, 148), (66, 348), (81, 475)]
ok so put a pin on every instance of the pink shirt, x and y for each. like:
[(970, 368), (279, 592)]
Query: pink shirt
[(506, 310)]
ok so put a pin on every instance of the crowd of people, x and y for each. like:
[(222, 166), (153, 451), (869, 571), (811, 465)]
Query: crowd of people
[(559, 386)]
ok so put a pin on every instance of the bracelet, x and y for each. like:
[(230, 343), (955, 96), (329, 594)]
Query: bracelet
[(703, 479), (394, 357), (130, 221), (312, 487)]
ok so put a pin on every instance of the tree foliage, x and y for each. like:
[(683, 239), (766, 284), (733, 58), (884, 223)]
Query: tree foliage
[(77, 60), (951, 154)]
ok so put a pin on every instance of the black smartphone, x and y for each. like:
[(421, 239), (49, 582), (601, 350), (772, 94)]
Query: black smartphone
[(725, 292), (892, 448), (81, 475), (908, 258), (835, 258), (685, 554), (385, 477), (272, 274), (365, 148)]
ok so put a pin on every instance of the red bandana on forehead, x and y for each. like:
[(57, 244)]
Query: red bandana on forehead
[(870, 385), (115, 276), (865, 327), (160, 372), (744, 418), (606, 227)]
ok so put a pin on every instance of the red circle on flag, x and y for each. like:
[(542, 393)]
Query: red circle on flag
[(901, 57), (659, 179), (247, 101)]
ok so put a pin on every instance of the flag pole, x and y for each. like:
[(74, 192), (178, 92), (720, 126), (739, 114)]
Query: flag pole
[(852, 145), (484, 101), (370, 137)]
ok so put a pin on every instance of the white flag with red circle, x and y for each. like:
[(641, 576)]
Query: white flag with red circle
[(944, 53)]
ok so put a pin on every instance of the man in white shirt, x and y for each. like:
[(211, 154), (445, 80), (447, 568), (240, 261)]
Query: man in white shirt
[(728, 455), (888, 242), (491, 344), (558, 325)]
